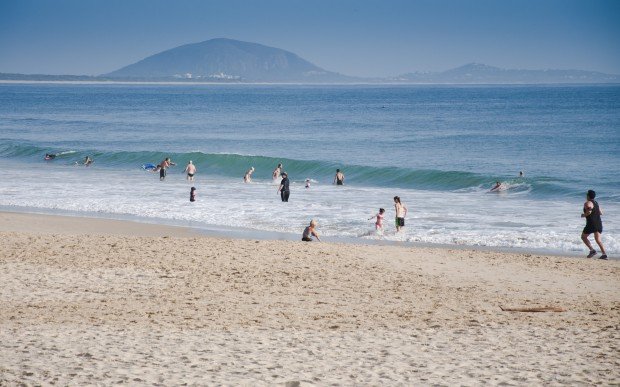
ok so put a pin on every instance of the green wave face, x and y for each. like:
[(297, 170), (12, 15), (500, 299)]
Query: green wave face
[(235, 165)]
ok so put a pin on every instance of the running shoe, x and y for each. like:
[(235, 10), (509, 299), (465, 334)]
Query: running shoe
[(592, 253)]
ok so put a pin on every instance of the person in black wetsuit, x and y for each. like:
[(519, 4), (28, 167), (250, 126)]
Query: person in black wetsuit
[(592, 212), (284, 189)]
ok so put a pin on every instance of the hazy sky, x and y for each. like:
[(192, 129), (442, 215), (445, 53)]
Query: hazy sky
[(362, 38)]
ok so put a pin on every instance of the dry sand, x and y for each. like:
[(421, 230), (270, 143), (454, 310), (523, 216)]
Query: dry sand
[(86, 301)]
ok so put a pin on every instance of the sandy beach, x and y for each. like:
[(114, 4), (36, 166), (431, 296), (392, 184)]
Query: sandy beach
[(100, 302)]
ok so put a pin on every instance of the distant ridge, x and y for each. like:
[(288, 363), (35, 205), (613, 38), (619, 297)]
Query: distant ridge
[(481, 73), (232, 61), (227, 60)]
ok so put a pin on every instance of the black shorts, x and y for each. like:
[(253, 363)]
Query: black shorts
[(591, 229), (306, 239), (400, 222), (162, 173)]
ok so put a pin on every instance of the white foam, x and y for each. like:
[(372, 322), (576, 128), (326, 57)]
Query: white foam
[(464, 218)]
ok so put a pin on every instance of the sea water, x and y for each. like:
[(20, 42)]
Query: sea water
[(440, 148)]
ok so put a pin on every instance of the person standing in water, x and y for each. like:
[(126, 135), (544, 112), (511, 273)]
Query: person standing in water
[(190, 169), (401, 213), (339, 178), (163, 166), (276, 172), (592, 212), (192, 194), (310, 231), (284, 189)]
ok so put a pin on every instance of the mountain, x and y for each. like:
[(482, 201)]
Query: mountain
[(480, 73), (233, 61), (226, 60)]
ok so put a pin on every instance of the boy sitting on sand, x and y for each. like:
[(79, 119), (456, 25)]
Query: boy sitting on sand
[(310, 231)]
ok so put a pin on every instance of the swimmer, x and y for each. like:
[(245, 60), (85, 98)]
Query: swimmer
[(247, 178), (339, 178), (49, 156), (192, 194), (276, 172), (310, 231), (307, 183), (190, 169), (497, 186), (521, 174), (162, 168), (87, 161)]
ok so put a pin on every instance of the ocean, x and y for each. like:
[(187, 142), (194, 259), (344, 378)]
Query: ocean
[(440, 148)]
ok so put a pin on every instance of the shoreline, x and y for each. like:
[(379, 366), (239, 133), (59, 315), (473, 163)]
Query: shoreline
[(133, 226)]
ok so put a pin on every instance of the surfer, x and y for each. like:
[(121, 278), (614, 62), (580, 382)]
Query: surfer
[(310, 231), (190, 169), (284, 189), (379, 222), (49, 156), (247, 178), (87, 161), (276, 172), (401, 212), (163, 166), (192, 194), (592, 212), (497, 187), (339, 178)]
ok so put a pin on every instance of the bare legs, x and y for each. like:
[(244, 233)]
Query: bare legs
[(597, 238)]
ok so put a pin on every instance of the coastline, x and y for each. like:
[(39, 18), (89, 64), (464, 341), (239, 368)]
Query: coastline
[(131, 226), (99, 301), (380, 84)]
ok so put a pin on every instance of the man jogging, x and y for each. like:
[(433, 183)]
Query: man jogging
[(592, 212)]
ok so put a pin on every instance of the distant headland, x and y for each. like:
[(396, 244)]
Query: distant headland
[(232, 61)]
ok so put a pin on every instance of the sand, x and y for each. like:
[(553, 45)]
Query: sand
[(92, 301)]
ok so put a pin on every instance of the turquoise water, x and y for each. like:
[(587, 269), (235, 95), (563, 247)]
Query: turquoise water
[(440, 148)]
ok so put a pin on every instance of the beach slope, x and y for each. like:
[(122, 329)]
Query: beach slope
[(87, 301)]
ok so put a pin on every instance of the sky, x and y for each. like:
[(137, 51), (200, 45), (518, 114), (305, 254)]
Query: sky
[(359, 38)]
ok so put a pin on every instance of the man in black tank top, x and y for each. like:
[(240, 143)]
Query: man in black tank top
[(594, 225)]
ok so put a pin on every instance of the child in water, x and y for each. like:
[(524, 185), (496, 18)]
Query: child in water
[(307, 183), (379, 222), (192, 194)]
